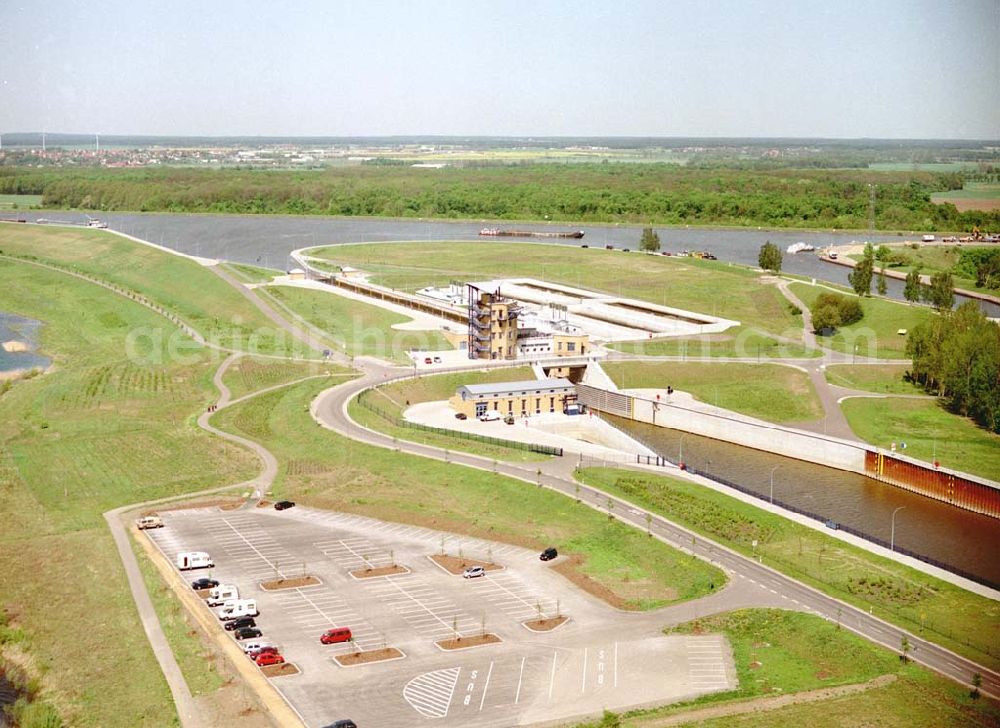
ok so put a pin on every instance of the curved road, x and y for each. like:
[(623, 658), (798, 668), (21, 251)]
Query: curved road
[(330, 410)]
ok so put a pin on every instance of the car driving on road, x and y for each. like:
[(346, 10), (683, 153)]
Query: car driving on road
[(548, 554), (282, 505), (474, 571)]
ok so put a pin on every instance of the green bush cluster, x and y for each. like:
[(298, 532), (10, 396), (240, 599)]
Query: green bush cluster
[(833, 310), (887, 591)]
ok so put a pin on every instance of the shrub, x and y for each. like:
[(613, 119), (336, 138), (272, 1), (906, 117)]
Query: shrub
[(832, 310)]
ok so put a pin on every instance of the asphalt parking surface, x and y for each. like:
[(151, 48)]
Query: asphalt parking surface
[(601, 659)]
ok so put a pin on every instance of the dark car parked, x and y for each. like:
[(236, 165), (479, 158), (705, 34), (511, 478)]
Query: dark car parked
[(282, 505), (548, 554), (204, 583), (346, 723), (240, 623), (245, 633)]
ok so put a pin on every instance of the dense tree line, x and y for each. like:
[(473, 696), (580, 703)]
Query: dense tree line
[(957, 356), (650, 193)]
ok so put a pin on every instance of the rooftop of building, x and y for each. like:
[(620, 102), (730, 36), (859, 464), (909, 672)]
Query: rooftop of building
[(532, 385)]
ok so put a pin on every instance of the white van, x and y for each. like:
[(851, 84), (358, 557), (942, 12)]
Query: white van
[(219, 595), (194, 560), (239, 608), (148, 522), (489, 416)]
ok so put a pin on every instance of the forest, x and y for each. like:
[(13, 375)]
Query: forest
[(631, 193)]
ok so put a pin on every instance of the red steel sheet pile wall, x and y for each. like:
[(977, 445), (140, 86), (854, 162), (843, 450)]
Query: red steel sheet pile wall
[(934, 483)]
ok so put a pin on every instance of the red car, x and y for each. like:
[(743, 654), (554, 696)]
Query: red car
[(338, 634), (428, 360), (269, 658), (266, 650)]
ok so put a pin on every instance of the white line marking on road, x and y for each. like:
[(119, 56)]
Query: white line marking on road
[(486, 687), (583, 684), (552, 677), (517, 695)]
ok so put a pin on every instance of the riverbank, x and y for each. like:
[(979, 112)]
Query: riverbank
[(843, 251)]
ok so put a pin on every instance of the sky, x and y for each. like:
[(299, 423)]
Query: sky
[(704, 68)]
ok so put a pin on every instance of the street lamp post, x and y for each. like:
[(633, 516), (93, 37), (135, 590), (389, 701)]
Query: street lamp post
[(772, 483), (892, 536), (680, 452)]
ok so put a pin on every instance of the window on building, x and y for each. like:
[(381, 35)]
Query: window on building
[(552, 404), (559, 346), (571, 346)]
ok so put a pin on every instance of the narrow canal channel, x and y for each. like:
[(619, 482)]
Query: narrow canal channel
[(963, 540)]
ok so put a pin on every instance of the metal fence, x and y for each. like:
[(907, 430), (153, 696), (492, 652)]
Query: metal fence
[(390, 417)]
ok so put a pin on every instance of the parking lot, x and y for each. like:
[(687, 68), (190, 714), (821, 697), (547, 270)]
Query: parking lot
[(601, 658)]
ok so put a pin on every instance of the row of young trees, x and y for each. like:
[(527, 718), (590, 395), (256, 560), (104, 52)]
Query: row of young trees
[(956, 355)]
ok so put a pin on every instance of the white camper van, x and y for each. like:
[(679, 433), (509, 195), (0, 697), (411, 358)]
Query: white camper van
[(148, 522), (218, 595), (194, 560), (238, 608)]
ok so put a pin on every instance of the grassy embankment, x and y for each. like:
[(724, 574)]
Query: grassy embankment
[(358, 328), (98, 431), (929, 431), (325, 470), (391, 400), (958, 619), (250, 374), (881, 378), (197, 295), (875, 335), (767, 391), (741, 342), (781, 653), (704, 286)]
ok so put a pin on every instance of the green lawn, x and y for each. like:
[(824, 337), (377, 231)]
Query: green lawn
[(883, 378), (739, 342), (198, 296), (98, 431), (357, 328), (958, 619), (193, 658), (251, 273), (928, 430), (971, 191), (322, 469), (876, 334), (249, 374), (768, 391), (704, 286), (19, 202), (386, 404)]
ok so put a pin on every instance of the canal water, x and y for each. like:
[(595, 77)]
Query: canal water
[(24, 331), (959, 538), (266, 240)]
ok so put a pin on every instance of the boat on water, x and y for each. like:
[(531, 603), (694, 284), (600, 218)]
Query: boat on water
[(498, 232), (94, 223), (800, 247)]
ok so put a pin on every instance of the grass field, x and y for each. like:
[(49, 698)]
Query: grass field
[(738, 342), (198, 296), (703, 286), (928, 430), (962, 621), (19, 202), (392, 399), (251, 273), (975, 196), (875, 335), (249, 374), (883, 378), (357, 328), (325, 470), (96, 432), (768, 391), (780, 653)]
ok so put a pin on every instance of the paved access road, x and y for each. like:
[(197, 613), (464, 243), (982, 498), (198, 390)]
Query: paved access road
[(601, 658), (330, 410)]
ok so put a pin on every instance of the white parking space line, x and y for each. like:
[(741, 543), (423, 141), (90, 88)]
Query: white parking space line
[(520, 677), (486, 687)]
